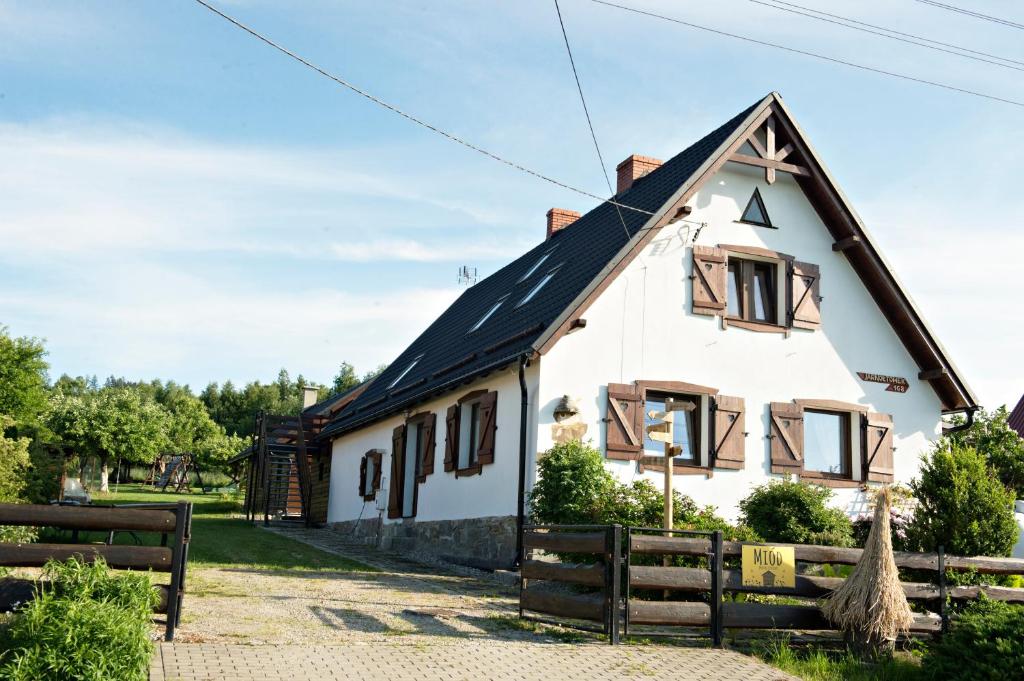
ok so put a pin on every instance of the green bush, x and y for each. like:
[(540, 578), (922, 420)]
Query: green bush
[(86, 623), (986, 642), (795, 513), (962, 506), (1000, 444)]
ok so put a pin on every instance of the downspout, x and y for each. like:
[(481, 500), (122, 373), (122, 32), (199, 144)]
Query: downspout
[(949, 430), (523, 416)]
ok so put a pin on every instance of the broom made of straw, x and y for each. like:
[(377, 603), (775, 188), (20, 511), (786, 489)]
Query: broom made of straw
[(870, 605)]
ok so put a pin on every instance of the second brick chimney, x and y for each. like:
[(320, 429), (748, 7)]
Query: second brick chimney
[(559, 218), (633, 168)]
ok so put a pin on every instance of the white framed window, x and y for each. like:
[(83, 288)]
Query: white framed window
[(828, 443), (404, 372), (538, 286), (371, 472), (536, 265), (469, 433), (487, 315)]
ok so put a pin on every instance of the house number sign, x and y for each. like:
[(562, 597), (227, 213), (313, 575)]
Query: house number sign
[(895, 384)]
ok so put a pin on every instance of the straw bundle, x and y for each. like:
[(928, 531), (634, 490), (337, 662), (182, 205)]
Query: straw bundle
[(870, 606)]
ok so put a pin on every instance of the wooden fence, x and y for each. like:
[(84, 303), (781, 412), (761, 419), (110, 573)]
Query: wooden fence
[(698, 596), (165, 519)]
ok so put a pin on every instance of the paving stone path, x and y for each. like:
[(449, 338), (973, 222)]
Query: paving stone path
[(408, 621)]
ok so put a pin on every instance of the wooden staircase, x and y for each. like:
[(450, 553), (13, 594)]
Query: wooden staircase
[(279, 485)]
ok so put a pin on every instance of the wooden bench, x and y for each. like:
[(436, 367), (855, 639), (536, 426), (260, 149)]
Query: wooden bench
[(165, 519)]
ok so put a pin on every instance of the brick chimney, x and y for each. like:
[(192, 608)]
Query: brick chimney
[(632, 168), (559, 218)]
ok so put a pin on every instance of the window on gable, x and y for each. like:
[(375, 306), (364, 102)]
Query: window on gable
[(827, 442), (538, 286), (753, 291), (487, 315), (536, 265), (755, 213), (404, 372)]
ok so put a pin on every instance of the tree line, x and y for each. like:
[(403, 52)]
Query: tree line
[(46, 424)]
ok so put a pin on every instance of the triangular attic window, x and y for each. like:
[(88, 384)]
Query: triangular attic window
[(754, 213)]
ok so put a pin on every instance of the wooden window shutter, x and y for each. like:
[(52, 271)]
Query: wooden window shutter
[(805, 296), (429, 427), (397, 457), (710, 280), (362, 476), (451, 438), (878, 450), (488, 427), (787, 435), (729, 427), (624, 437), (378, 460)]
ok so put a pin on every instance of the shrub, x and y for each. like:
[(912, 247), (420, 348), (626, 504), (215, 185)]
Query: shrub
[(796, 513), (986, 642), (86, 623), (962, 506), (1000, 444)]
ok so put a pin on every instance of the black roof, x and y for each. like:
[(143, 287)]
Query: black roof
[(450, 356)]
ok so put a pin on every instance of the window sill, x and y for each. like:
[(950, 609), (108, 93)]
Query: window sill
[(370, 497), (761, 327), (475, 469), (826, 480)]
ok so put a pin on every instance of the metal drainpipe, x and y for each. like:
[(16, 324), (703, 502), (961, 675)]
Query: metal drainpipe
[(523, 415), (963, 426)]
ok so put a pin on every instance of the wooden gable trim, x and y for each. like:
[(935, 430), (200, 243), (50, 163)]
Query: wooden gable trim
[(756, 250), (561, 326), (839, 218)]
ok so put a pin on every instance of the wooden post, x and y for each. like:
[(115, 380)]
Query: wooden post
[(942, 589), (615, 548), (177, 569), (716, 588)]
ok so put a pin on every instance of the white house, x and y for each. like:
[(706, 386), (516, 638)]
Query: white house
[(736, 277)]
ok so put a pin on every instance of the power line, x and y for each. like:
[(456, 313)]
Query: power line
[(883, 32), (586, 112), (815, 55), (418, 121), (972, 13)]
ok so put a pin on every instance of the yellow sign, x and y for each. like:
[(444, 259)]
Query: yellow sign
[(769, 566)]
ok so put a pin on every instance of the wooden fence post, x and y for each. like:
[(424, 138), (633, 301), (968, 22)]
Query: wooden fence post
[(615, 548), (942, 589), (717, 569)]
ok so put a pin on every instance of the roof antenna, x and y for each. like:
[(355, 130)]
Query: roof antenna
[(467, 275)]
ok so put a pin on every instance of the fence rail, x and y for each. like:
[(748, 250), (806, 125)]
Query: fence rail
[(165, 519), (702, 589)]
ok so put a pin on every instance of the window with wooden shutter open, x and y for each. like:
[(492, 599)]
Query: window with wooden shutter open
[(729, 427), (451, 438), (878, 449), (710, 280), (805, 296), (488, 427), (378, 461), (623, 439), (787, 437), (429, 426), (397, 458), (362, 476)]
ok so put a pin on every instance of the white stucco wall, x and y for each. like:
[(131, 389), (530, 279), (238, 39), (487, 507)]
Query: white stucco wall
[(641, 327), (442, 496)]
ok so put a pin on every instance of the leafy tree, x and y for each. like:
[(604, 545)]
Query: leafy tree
[(1000, 444), (127, 425), (796, 513), (962, 505), (14, 463), (23, 378), (345, 379)]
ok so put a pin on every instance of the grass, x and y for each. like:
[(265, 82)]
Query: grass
[(220, 540), (816, 664)]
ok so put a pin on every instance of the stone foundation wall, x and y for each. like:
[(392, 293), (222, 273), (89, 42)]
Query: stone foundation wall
[(488, 543)]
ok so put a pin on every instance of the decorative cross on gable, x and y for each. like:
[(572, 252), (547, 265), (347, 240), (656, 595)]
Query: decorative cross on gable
[(770, 155)]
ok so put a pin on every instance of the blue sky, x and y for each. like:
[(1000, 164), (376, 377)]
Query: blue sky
[(178, 200)]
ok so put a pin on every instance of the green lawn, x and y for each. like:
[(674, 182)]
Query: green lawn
[(815, 664), (220, 540)]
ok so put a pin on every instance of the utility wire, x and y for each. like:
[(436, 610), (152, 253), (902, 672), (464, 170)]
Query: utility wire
[(410, 117), (972, 13), (874, 32), (806, 53), (586, 111)]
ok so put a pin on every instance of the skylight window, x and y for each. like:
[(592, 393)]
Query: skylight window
[(487, 315), (403, 374), (538, 286), (536, 265)]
